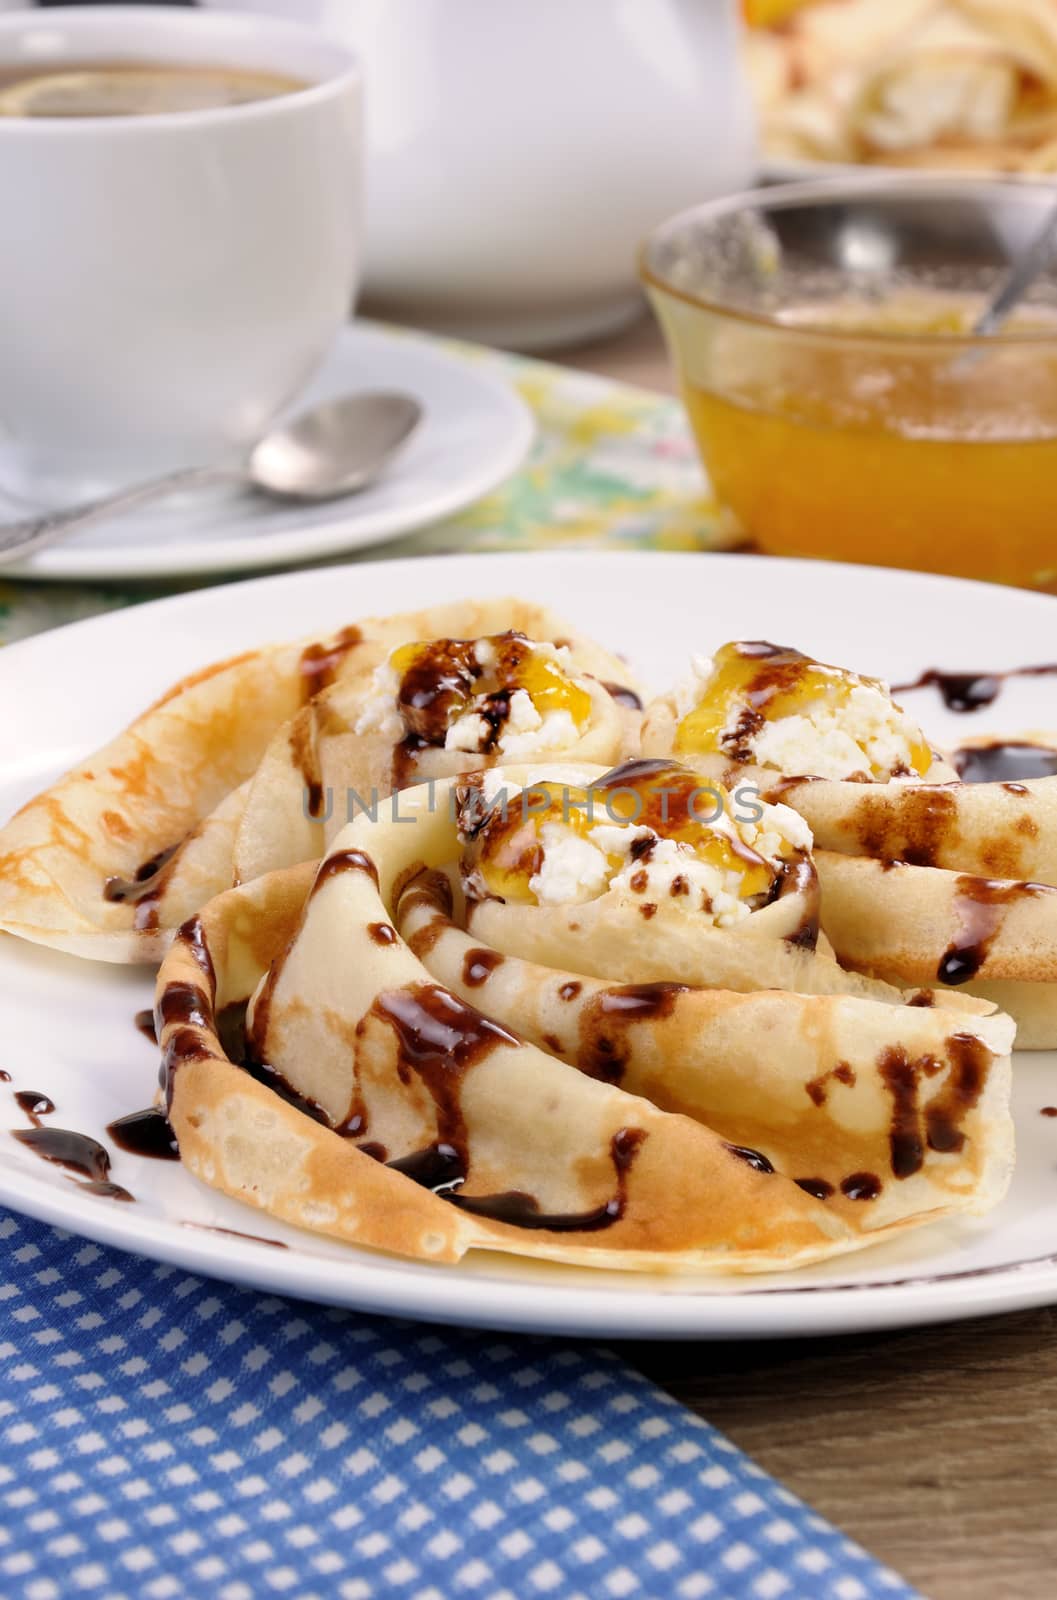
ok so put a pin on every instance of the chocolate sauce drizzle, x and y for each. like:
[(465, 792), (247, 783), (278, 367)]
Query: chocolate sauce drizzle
[(946, 1112), (970, 691), (145, 888), (623, 696), (979, 906), (752, 1158), (439, 1038), (144, 1021), (861, 1186), (603, 1047), (818, 1088), (815, 1186), (916, 832), (321, 662), (187, 1010), (345, 861), (478, 965), (906, 1141), (440, 684), (332, 867), (522, 1210), (440, 1167), (1007, 761), (305, 755)]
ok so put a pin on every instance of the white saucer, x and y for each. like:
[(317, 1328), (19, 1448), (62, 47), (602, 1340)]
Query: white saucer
[(475, 432)]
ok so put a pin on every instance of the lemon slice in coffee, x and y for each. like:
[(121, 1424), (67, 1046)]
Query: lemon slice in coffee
[(130, 91)]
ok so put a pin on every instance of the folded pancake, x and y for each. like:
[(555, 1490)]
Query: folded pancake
[(222, 777), (764, 718), (1001, 829), (989, 937), (648, 873), (130, 841), (433, 707), (999, 821), (405, 1085)]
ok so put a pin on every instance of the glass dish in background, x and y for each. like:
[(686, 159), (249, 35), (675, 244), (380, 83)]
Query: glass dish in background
[(842, 409)]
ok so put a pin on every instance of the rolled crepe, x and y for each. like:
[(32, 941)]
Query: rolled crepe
[(426, 1095), (435, 706), (998, 830), (219, 780), (992, 938), (765, 719)]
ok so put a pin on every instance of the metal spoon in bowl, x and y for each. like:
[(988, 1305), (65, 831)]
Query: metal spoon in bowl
[(1013, 286), (335, 449), (1023, 271)]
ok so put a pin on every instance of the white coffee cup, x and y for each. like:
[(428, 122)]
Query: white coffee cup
[(168, 282)]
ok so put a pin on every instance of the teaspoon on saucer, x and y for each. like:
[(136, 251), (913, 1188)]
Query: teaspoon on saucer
[(335, 449)]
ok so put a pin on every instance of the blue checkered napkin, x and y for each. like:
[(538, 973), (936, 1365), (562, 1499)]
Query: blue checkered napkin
[(167, 1436)]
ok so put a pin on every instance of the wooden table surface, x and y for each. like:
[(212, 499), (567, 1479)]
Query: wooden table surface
[(936, 1448)]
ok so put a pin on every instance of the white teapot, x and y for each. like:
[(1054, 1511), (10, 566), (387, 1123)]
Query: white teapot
[(518, 150)]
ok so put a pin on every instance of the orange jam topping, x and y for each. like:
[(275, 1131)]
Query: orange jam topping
[(755, 682), (651, 800), (441, 680)]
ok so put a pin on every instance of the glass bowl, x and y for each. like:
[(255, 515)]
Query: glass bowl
[(842, 408)]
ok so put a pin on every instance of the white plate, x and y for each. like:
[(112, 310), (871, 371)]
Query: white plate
[(66, 1026), (476, 432)]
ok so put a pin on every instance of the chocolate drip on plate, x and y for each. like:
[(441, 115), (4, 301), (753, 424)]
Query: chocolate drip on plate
[(104, 1189), (1006, 761), (970, 691), (66, 1148), (236, 1233), (35, 1105), (145, 1133)]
